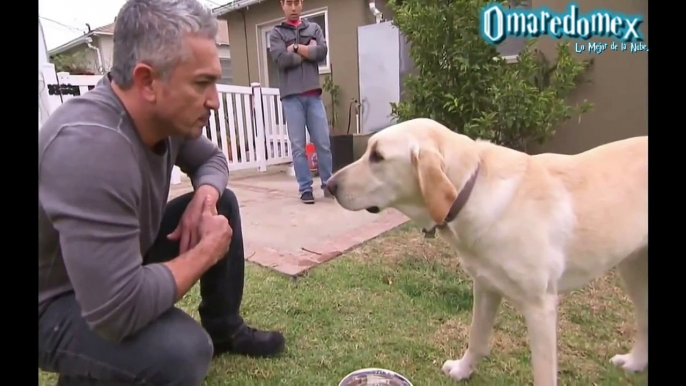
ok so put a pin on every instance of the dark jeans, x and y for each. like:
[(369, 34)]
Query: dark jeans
[(174, 349)]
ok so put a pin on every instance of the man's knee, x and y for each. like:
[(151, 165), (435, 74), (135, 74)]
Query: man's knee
[(297, 142), (228, 204), (183, 357)]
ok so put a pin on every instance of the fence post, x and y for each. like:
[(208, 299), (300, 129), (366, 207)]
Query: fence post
[(47, 103), (63, 77), (260, 135), (175, 175)]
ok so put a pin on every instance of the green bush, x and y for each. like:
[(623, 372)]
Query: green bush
[(460, 84)]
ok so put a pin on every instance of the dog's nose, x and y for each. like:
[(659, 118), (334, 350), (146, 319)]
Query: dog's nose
[(332, 186)]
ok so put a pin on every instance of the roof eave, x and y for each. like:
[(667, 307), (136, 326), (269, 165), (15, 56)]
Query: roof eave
[(234, 6), (77, 42), (69, 45)]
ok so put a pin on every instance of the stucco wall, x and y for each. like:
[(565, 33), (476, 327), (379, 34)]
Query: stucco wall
[(619, 88), (106, 45)]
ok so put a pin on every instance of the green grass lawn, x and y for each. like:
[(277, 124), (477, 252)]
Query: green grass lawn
[(401, 302)]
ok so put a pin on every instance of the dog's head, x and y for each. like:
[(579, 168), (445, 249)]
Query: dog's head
[(404, 167)]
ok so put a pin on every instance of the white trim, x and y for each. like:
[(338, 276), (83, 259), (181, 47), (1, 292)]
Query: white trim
[(262, 44), (326, 69), (508, 58), (234, 6), (262, 55), (511, 58)]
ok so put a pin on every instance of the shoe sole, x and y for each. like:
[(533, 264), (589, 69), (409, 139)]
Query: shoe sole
[(307, 201)]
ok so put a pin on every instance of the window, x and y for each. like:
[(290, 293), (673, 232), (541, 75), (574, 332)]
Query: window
[(227, 74), (321, 19), (512, 46)]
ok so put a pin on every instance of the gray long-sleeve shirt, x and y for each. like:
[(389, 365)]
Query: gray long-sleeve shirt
[(102, 193)]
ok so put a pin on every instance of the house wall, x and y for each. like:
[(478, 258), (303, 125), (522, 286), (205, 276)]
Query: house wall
[(106, 45), (619, 87), (343, 18)]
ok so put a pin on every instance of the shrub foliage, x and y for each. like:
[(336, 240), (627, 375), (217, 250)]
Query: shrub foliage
[(460, 84)]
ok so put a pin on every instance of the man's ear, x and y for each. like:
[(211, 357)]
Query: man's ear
[(143, 80), (437, 190)]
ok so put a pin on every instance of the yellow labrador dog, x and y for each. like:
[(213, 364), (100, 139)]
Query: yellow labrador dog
[(525, 227)]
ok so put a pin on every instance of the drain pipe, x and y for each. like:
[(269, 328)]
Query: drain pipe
[(375, 11), (97, 53)]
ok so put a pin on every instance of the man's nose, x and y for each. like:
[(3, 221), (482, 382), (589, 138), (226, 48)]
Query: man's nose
[(212, 102)]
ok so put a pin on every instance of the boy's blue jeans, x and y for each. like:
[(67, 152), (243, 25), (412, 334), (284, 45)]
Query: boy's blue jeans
[(308, 111)]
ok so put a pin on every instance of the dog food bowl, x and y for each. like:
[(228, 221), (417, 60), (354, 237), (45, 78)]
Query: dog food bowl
[(374, 377)]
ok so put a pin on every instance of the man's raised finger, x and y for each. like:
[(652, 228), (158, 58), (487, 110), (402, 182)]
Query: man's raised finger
[(207, 206)]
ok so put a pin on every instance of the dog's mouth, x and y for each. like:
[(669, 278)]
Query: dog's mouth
[(373, 209)]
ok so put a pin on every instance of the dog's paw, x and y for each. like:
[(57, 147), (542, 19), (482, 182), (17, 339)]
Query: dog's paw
[(457, 370), (630, 362)]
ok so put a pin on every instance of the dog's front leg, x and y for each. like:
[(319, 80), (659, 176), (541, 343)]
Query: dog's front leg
[(541, 323), (486, 303)]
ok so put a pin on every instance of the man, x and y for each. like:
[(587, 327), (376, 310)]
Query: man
[(114, 257), (297, 46)]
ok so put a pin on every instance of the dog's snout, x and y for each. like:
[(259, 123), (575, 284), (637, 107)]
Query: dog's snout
[(332, 186)]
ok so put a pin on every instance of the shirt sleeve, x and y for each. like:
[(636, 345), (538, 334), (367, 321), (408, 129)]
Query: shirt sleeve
[(321, 49), (89, 184), (279, 52), (204, 163)]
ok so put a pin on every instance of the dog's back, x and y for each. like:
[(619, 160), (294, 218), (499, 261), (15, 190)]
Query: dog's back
[(608, 186)]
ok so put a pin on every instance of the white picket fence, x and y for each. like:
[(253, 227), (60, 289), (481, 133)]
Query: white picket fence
[(249, 126)]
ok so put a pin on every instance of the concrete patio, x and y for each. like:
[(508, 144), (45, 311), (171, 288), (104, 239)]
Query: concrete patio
[(284, 234)]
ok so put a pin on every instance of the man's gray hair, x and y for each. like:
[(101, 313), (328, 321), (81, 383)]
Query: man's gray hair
[(152, 31)]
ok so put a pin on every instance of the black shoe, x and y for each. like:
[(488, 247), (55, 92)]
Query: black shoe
[(307, 198), (252, 342)]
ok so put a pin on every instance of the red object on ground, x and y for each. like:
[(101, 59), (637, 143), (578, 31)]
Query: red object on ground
[(311, 154)]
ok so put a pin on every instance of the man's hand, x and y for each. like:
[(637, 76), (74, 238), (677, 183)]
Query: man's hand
[(214, 228), (304, 51), (290, 48), (214, 234), (187, 230)]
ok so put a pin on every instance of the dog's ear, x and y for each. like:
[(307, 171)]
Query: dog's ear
[(437, 190)]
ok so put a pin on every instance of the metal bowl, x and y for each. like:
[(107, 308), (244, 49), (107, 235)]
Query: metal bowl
[(374, 377)]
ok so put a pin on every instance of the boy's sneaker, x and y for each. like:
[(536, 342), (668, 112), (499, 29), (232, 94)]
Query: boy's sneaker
[(307, 198)]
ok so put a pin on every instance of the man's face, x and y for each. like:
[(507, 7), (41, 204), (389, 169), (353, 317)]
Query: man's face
[(184, 101), (292, 9)]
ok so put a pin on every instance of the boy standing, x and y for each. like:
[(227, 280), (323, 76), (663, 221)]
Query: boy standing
[(297, 46)]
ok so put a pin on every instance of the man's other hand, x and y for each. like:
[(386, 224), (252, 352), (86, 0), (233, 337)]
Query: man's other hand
[(187, 232), (214, 227)]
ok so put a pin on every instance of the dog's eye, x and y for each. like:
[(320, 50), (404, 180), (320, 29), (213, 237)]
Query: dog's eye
[(375, 156)]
